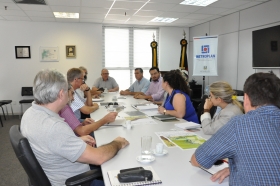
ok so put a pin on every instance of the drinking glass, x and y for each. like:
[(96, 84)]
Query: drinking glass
[(146, 143)]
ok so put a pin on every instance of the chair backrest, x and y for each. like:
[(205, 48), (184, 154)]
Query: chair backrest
[(25, 155), (26, 91)]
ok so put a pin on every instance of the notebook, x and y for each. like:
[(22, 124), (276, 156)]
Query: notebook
[(215, 168), (115, 182), (164, 117), (188, 125)]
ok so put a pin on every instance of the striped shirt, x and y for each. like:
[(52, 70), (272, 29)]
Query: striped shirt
[(78, 103), (252, 144)]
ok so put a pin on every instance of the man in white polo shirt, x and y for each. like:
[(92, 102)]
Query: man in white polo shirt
[(59, 151)]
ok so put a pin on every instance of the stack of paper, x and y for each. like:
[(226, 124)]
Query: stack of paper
[(188, 125)]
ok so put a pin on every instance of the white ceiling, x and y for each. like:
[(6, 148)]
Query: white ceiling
[(94, 11)]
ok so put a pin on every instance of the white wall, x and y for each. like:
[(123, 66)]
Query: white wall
[(235, 41), (169, 47), (16, 73)]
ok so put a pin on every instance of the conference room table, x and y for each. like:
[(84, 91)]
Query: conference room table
[(173, 168)]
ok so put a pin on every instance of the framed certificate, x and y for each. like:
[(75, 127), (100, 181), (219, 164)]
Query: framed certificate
[(22, 52)]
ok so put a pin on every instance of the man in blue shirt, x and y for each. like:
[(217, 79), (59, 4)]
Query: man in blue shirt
[(251, 142), (140, 85)]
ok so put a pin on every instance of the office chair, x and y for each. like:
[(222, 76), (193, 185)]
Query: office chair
[(5, 103), (1, 121), (200, 108), (25, 91), (1, 105), (36, 175)]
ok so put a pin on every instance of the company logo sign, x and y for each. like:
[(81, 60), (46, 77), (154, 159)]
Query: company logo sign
[(205, 49), (205, 52)]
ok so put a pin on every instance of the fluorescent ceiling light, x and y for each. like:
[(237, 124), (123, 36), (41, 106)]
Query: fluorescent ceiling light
[(198, 2), (163, 19), (66, 15)]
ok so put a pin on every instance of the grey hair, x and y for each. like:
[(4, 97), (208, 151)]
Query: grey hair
[(47, 85), (83, 68), (73, 73)]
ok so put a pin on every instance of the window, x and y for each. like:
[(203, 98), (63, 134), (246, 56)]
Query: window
[(126, 49)]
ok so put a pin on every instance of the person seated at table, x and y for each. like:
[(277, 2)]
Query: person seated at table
[(249, 141), (140, 85), (75, 77), (221, 95), (88, 125), (155, 91), (178, 101), (58, 150), (95, 93), (105, 81)]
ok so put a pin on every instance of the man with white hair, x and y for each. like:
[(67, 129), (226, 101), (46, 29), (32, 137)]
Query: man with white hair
[(105, 81), (58, 150)]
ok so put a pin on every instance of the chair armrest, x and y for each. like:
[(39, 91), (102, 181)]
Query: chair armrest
[(83, 178)]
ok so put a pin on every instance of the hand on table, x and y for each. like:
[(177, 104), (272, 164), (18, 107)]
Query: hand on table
[(88, 121), (161, 109), (110, 117), (122, 141), (221, 175), (88, 139)]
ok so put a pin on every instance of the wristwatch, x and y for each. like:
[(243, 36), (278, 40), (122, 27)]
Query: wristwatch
[(87, 89), (164, 111)]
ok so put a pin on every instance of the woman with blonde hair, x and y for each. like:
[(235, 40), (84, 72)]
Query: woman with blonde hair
[(222, 95)]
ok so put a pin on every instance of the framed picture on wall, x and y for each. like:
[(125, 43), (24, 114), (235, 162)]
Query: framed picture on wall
[(70, 51), (49, 54), (22, 52)]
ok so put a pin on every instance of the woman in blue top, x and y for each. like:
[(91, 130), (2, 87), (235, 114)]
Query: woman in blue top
[(178, 101)]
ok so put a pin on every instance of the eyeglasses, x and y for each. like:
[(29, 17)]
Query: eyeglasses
[(105, 73), (83, 79)]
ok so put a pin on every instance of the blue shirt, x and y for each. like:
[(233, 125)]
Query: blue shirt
[(140, 86), (190, 114), (252, 144)]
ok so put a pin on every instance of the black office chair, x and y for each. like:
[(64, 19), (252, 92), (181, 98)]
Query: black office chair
[(36, 175), (200, 108), (25, 91), (1, 105), (5, 103), (1, 121)]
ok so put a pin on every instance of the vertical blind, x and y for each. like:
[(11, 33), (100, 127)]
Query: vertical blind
[(125, 49)]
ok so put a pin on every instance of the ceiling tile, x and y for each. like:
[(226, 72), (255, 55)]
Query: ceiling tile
[(247, 5), (10, 6), (142, 18), (91, 20), (67, 20), (148, 13), (12, 13), (128, 5), (174, 14), (34, 7), (184, 21), (16, 18), (47, 19), (158, 6), (122, 11), (167, 1), (64, 2), (92, 16), (39, 14), (211, 10), (185, 8), (96, 3), (65, 9), (94, 10), (115, 17), (228, 3), (197, 16)]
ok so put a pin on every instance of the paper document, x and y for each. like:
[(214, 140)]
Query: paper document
[(188, 125), (182, 139)]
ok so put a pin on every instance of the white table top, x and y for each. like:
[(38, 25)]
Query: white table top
[(173, 168)]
